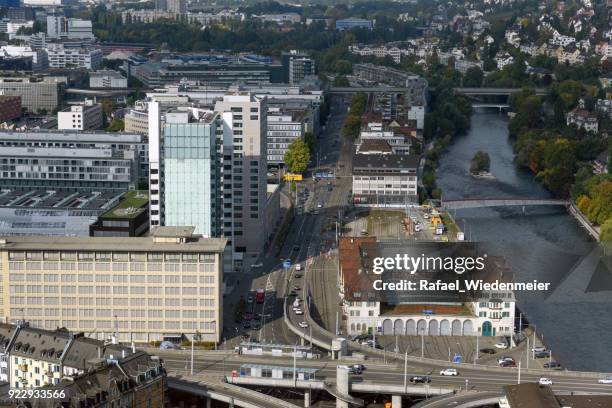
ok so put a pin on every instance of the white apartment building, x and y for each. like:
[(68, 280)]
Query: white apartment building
[(87, 116), (282, 131), (7, 332), (583, 119), (61, 57), (141, 288)]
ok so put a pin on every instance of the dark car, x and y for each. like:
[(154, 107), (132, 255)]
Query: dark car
[(420, 379), (542, 354), (553, 364), (487, 351), (293, 293), (246, 324), (508, 364)]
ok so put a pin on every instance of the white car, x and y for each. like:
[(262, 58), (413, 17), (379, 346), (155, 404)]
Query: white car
[(298, 311), (606, 380), (501, 345), (449, 371), (303, 325), (257, 265), (545, 381), (298, 267), (538, 349), (319, 205)]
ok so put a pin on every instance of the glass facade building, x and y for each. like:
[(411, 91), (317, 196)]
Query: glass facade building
[(191, 175)]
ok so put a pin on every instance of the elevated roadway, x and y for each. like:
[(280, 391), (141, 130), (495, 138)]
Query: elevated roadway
[(462, 90)]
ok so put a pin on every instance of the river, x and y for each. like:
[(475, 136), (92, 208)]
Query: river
[(545, 243)]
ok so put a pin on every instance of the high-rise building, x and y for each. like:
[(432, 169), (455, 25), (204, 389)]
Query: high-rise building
[(283, 129), (62, 27), (176, 6), (141, 289), (209, 172), (297, 65)]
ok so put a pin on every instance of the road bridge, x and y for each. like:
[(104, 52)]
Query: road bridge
[(470, 399), (495, 91), (402, 89), (230, 394), (461, 204)]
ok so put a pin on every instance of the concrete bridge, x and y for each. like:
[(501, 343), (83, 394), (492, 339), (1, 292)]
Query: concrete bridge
[(500, 202), (495, 91)]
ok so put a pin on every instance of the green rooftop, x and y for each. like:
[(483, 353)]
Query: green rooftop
[(130, 206)]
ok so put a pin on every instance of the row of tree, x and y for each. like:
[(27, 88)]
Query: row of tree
[(352, 122)]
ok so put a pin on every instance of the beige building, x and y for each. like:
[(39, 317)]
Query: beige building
[(145, 289), (137, 121)]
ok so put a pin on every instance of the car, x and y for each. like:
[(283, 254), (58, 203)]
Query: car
[(508, 364), (449, 372), (168, 345), (245, 336), (605, 380), (319, 205), (488, 351), (256, 326), (248, 316), (295, 288), (426, 216), (420, 379), (303, 325), (542, 354), (296, 304), (298, 311), (297, 276), (552, 364), (250, 299), (246, 324), (545, 381), (501, 345), (359, 367), (293, 293), (538, 349), (298, 267), (257, 265), (417, 228), (296, 247), (504, 359)]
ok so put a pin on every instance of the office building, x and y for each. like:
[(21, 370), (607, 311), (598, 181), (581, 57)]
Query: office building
[(38, 56), (176, 6), (348, 23), (136, 121), (10, 108), (297, 65), (60, 27), (209, 70), (129, 218), (71, 161), (388, 180), (142, 289), (107, 79), (61, 56), (87, 116), (45, 94), (283, 129), (218, 184)]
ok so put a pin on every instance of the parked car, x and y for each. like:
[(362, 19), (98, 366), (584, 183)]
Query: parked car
[(303, 325), (501, 345), (552, 364), (605, 380), (542, 354), (420, 379), (250, 299), (449, 372), (488, 350), (538, 349), (545, 381)]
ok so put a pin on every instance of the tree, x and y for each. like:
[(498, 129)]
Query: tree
[(605, 234), (473, 77), (297, 157), (480, 162), (116, 125), (340, 81), (343, 67), (311, 141)]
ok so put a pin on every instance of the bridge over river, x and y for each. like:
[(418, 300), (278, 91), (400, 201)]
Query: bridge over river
[(464, 203)]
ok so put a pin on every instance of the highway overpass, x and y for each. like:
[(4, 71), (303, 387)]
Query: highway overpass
[(462, 90)]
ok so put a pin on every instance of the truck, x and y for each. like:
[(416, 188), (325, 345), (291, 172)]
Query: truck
[(259, 296)]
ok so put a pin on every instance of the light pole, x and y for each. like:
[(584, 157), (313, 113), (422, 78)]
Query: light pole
[(406, 370), (422, 342), (519, 373)]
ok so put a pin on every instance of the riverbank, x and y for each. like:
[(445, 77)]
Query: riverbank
[(592, 230)]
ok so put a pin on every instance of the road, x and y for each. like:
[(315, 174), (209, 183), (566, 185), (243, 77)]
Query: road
[(380, 372)]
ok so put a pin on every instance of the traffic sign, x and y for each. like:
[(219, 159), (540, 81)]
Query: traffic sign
[(456, 358)]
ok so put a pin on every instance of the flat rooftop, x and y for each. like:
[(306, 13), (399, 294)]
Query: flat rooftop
[(131, 205), (116, 244)]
